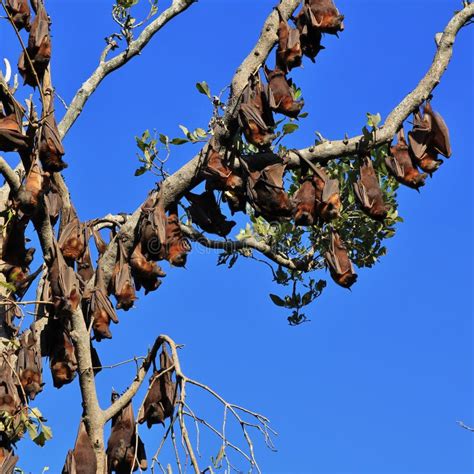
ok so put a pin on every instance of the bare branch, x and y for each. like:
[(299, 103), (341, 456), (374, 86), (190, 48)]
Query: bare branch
[(11, 177), (106, 67)]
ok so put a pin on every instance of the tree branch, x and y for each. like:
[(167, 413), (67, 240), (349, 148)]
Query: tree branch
[(106, 67), (385, 134), (11, 177)]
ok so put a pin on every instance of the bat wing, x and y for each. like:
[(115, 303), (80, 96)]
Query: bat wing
[(8, 464), (394, 167), (252, 114), (441, 142), (293, 38), (273, 175), (331, 187), (362, 195)]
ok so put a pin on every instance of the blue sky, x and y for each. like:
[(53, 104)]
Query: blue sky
[(376, 381)]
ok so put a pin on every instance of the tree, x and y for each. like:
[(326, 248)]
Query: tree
[(297, 254)]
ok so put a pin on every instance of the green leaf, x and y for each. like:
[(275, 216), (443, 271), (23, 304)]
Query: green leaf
[(48, 432), (179, 141), (373, 120), (203, 88), (40, 440), (184, 130), (140, 171), (277, 300), (164, 139), (303, 115), (290, 128)]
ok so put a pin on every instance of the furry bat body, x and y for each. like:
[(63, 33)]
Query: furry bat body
[(51, 149), (267, 194), (29, 366), (146, 273), (72, 235), (122, 283), (177, 246), (160, 400), (101, 310), (281, 96), (20, 12), (7, 461), (9, 399), (39, 48), (82, 459), (304, 201), (32, 190), (368, 192), (328, 200), (152, 230), (400, 165), (255, 115), (206, 213), (66, 289), (222, 177), (14, 247), (339, 263), (324, 16), (430, 136), (11, 133), (62, 357), (289, 54), (121, 456)]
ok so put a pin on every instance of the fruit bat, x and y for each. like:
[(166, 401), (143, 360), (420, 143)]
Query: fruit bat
[(177, 246), (66, 291), (51, 149), (9, 399), (161, 397), (38, 49), (84, 265), (11, 133), (206, 213), (304, 201), (32, 190), (255, 115), (267, 194), (99, 241), (81, 459), (29, 366), (368, 191), (53, 203), (72, 238), (324, 16), (289, 54), (7, 461), (14, 247), (222, 177), (101, 310), (328, 199), (338, 262), (430, 133), (62, 356), (280, 94), (219, 174), (400, 164), (11, 312), (121, 456), (122, 282), (152, 229), (429, 137), (310, 36), (146, 273), (20, 12)]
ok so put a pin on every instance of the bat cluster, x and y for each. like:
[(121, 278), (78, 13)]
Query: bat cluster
[(20, 382)]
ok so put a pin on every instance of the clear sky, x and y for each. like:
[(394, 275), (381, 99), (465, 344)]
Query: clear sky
[(376, 381)]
